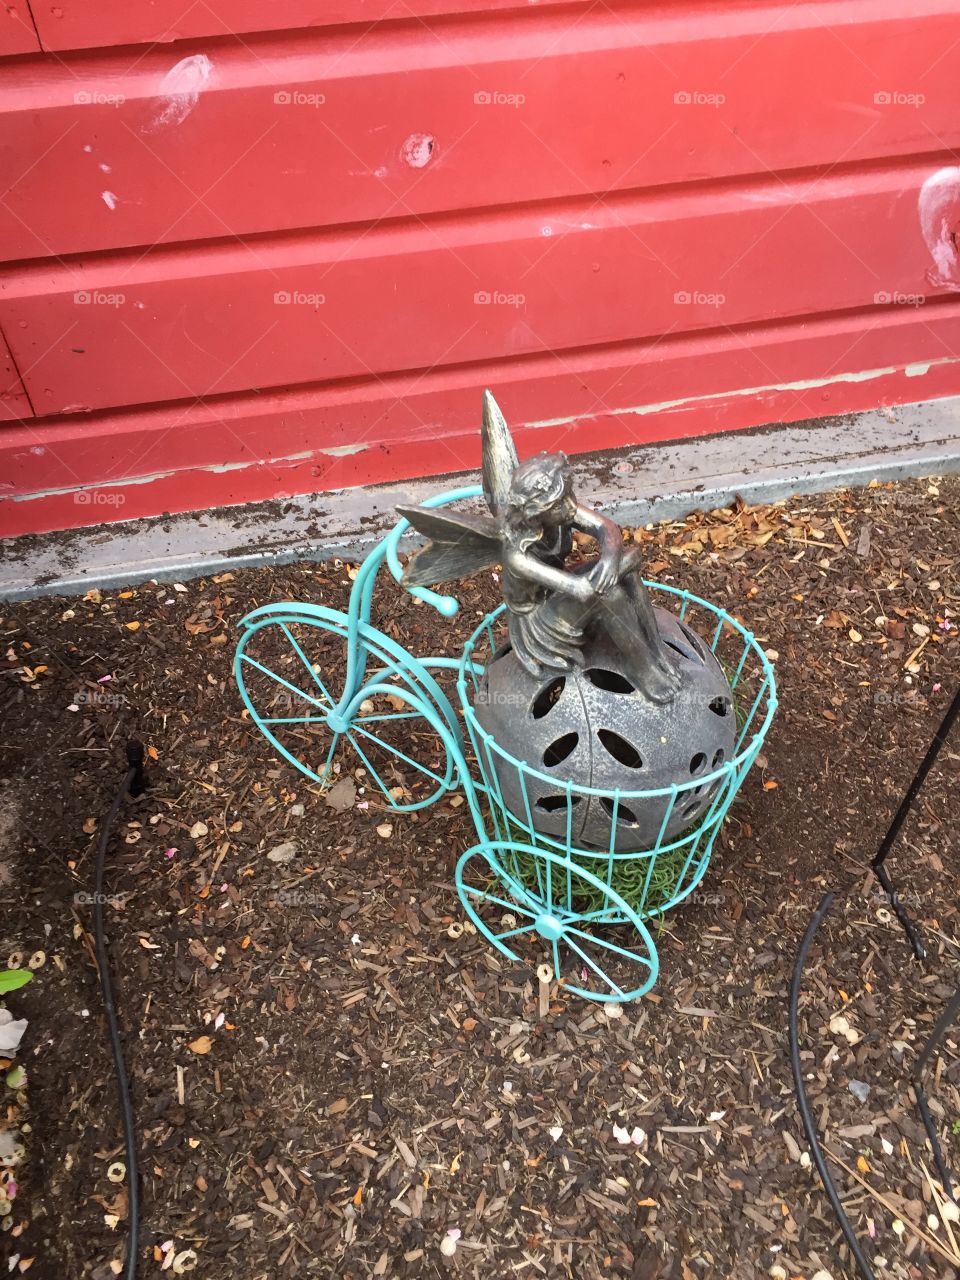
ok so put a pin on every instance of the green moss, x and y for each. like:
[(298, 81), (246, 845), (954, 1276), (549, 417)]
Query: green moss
[(628, 877)]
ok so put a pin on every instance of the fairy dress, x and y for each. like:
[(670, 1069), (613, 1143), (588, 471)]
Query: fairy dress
[(540, 638)]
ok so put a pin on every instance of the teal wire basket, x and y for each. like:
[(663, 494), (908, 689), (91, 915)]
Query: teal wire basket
[(584, 911), (578, 899)]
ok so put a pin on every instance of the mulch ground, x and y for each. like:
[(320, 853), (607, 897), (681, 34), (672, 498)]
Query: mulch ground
[(329, 1081)]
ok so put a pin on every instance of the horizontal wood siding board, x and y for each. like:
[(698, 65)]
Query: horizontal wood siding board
[(237, 138), (83, 24), (17, 32), (246, 448), (142, 328), (204, 488)]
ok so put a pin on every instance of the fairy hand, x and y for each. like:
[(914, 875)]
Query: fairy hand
[(606, 572)]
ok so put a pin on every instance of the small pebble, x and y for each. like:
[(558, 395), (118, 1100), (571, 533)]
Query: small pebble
[(860, 1090)]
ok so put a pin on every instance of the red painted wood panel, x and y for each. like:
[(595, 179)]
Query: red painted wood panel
[(14, 403), (264, 262), (245, 448), (161, 326), (78, 24), (137, 147), (17, 32)]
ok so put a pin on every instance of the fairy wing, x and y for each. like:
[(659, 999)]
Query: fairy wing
[(460, 544), (499, 455)]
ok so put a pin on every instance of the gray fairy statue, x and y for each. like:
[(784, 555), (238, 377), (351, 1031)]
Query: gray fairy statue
[(552, 610)]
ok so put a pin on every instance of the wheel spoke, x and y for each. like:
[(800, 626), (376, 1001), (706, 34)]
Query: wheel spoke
[(307, 697), (602, 913), (306, 719), (511, 933), (500, 902), (414, 764), (388, 715), (303, 658), (326, 764), (610, 946), (369, 767), (595, 967), (536, 871)]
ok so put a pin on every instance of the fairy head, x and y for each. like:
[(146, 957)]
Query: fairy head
[(541, 494)]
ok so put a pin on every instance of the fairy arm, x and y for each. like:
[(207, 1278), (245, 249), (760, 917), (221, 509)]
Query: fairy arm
[(607, 570), (569, 584)]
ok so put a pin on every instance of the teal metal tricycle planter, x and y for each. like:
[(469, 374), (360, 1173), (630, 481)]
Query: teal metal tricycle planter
[(587, 909)]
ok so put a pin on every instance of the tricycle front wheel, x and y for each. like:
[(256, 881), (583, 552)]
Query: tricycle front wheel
[(520, 892)]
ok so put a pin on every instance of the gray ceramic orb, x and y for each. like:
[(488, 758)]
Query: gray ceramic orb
[(592, 728)]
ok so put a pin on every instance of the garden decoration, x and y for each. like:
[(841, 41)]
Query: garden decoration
[(606, 736)]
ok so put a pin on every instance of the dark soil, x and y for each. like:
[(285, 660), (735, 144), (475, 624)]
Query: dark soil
[(327, 1082)]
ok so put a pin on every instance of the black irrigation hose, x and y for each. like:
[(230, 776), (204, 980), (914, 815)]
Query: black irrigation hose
[(944, 1022), (803, 1102), (133, 783)]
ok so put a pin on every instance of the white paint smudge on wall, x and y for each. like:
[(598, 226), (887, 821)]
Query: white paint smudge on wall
[(180, 90), (109, 199), (939, 211)]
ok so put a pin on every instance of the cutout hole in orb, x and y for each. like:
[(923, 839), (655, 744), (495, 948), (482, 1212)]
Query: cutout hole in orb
[(559, 749), (698, 762), (621, 750), (720, 706), (624, 813), (553, 804), (694, 640), (547, 698), (718, 758), (683, 651), (610, 681)]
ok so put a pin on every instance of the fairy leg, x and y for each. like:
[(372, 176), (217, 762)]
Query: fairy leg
[(627, 616)]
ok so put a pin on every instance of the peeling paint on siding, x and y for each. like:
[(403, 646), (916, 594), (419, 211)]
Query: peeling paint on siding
[(803, 384)]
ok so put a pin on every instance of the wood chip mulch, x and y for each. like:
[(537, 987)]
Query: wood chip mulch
[(329, 1082)]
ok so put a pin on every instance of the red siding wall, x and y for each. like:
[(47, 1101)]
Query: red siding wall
[(285, 252)]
